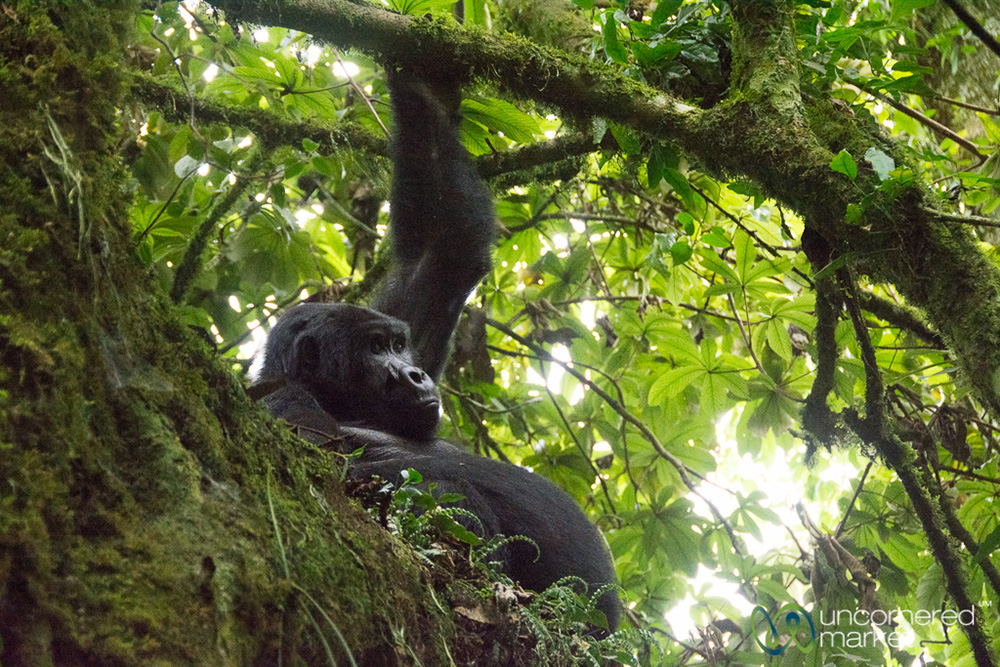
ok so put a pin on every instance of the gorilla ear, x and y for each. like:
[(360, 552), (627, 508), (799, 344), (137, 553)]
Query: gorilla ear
[(304, 358)]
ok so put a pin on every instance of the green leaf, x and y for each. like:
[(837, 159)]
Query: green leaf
[(686, 221), (991, 127), (748, 189), (770, 516), (838, 262), (500, 116), (650, 56), (415, 7), (774, 589), (853, 214), (845, 164), (672, 383), (612, 46), (779, 341), (661, 245), (988, 546), (679, 182), (746, 253), (654, 168), (476, 13), (664, 10), (904, 8), (627, 139), (881, 163), (185, 166), (713, 395), (710, 260), (930, 588), (680, 252), (716, 237)]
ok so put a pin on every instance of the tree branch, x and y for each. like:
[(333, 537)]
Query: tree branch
[(437, 47), (901, 317), (271, 129), (191, 263), (975, 26)]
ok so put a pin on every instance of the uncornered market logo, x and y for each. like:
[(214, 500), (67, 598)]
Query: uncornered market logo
[(792, 615)]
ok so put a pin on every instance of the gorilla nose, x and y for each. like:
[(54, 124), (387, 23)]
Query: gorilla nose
[(417, 379)]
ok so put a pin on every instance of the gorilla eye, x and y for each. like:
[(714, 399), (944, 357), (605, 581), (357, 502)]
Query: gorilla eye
[(376, 345), (398, 345)]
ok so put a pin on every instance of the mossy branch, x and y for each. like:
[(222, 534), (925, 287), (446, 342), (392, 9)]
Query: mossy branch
[(963, 535), (438, 47), (900, 316), (191, 263), (817, 419), (271, 129)]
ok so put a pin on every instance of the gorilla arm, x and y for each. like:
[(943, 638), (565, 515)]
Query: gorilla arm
[(442, 219)]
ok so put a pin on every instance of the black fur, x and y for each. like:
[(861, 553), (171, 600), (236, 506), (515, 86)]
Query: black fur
[(365, 378)]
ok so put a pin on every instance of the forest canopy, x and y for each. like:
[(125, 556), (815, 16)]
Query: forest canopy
[(745, 302)]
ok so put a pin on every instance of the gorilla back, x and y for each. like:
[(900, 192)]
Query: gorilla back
[(366, 378)]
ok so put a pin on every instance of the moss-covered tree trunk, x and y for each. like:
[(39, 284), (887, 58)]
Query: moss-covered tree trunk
[(149, 512)]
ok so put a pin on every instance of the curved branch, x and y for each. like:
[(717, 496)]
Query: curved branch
[(274, 130), (876, 430), (899, 316), (437, 47)]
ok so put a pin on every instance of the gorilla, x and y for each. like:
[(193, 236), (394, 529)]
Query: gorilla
[(358, 377)]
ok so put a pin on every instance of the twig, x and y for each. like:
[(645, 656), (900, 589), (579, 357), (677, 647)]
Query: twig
[(974, 220), (942, 130), (163, 208), (744, 333), (174, 61), (579, 446), (966, 105), (775, 252), (968, 473), (854, 498), (975, 26), (359, 90)]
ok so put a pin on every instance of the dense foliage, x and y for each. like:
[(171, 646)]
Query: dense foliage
[(649, 335)]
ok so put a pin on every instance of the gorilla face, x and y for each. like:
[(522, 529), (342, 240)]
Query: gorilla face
[(358, 365)]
